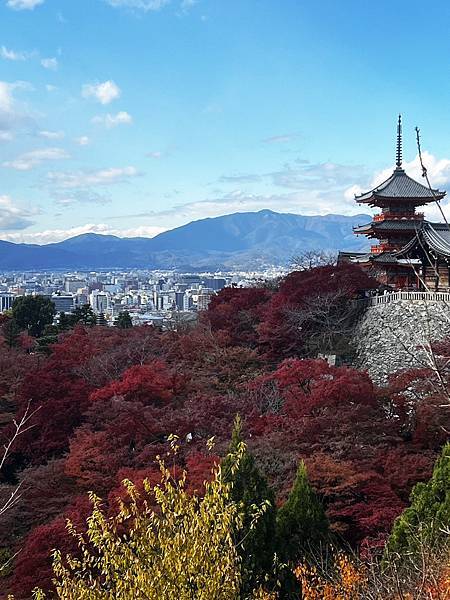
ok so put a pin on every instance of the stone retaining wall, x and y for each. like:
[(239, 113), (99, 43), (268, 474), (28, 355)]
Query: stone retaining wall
[(391, 336)]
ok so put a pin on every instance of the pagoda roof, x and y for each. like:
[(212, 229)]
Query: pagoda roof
[(389, 225), (400, 186), (382, 257), (438, 238), (435, 235)]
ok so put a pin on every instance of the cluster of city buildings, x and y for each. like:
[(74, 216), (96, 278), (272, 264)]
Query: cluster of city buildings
[(150, 297)]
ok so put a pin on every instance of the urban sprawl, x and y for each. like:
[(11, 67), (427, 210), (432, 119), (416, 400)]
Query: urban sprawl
[(150, 297)]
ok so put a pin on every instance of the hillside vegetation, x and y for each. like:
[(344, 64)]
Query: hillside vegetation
[(252, 468)]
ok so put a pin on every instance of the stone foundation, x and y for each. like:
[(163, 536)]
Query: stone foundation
[(390, 336)]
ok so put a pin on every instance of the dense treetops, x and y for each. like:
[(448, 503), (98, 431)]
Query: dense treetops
[(33, 313), (427, 520), (108, 398)]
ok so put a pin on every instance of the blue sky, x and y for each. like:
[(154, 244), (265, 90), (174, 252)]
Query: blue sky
[(134, 116)]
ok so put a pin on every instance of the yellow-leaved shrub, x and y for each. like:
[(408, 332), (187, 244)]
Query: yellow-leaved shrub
[(180, 548)]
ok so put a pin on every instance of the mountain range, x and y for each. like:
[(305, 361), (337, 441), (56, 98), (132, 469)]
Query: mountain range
[(237, 241)]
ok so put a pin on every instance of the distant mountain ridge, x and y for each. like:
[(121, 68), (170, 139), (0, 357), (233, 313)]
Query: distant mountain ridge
[(236, 241)]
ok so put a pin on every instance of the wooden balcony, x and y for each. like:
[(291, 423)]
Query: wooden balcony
[(398, 217), (379, 248)]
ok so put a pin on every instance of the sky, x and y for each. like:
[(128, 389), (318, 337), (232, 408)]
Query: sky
[(130, 117)]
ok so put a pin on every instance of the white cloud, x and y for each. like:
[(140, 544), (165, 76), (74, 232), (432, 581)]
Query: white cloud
[(6, 136), (50, 88), (86, 179), (8, 54), (50, 63), (304, 203), (70, 197), (12, 217), (29, 160), (281, 139), (239, 178), (438, 173), (104, 92), (57, 235), (156, 154), (12, 115), (24, 4), (83, 140), (438, 170), (51, 135), (145, 5), (110, 121), (6, 97), (186, 6)]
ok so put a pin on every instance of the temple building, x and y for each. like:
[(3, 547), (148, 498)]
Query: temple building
[(410, 252)]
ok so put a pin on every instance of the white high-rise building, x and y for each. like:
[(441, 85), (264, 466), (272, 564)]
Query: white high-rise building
[(99, 302), (6, 301)]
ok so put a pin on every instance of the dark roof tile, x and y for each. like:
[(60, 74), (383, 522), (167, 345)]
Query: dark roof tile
[(400, 185)]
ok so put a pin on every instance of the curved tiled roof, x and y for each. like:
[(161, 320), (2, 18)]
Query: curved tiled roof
[(400, 185), (438, 239), (389, 225), (435, 235)]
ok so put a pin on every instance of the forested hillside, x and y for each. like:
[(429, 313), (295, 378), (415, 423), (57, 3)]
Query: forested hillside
[(240, 240), (102, 404)]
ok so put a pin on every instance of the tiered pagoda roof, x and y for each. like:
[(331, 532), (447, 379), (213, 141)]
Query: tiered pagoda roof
[(434, 236), (398, 196), (399, 186), (399, 189), (410, 251), (400, 224)]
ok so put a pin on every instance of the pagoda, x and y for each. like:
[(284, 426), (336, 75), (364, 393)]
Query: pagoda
[(403, 251)]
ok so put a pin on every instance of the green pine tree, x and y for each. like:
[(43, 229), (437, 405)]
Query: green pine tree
[(422, 524), (84, 315), (123, 320), (11, 333), (302, 525), (256, 541), (33, 313), (65, 321)]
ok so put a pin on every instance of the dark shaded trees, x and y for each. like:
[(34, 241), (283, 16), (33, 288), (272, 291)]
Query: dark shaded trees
[(11, 332), (83, 315), (33, 313), (256, 502), (123, 320), (235, 313), (425, 522), (313, 311), (302, 525)]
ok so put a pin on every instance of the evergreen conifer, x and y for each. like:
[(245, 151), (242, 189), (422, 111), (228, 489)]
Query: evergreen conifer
[(301, 522), (256, 502), (11, 332), (84, 315), (424, 522), (123, 320), (33, 313)]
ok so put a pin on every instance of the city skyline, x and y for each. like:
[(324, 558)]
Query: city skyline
[(132, 117)]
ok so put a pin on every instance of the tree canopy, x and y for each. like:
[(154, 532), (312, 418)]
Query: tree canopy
[(33, 313)]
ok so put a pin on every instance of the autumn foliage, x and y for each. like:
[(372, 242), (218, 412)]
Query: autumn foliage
[(109, 398)]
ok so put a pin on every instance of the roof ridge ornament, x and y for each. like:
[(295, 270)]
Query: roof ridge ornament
[(399, 152)]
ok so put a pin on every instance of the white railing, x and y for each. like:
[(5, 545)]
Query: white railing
[(411, 296)]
